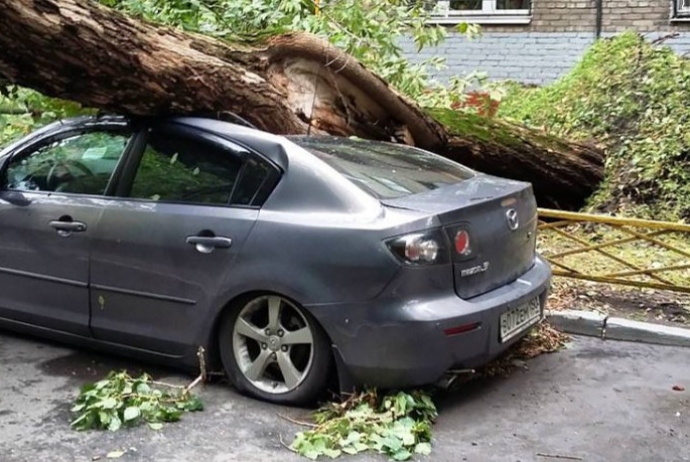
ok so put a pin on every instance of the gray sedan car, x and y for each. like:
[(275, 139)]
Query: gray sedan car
[(291, 260)]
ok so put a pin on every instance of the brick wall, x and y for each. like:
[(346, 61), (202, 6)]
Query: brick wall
[(642, 16), (556, 16), (580, 16), (557, 36)]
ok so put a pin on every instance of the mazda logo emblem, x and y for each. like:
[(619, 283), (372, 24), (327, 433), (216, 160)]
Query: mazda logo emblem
[(513, 221)]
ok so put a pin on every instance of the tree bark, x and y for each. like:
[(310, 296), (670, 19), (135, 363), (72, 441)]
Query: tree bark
[(82, 51)]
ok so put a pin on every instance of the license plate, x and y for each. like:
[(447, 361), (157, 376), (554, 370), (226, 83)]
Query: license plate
[(519, 318)]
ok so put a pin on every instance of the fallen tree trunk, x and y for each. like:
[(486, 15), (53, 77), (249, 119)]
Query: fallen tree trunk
[(79, 50), (562, 173)]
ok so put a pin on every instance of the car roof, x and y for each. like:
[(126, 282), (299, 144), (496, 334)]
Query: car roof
[(270, 146), (329, 189)]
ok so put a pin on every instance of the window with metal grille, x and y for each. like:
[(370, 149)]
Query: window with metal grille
[(682, 7), (481, 11)]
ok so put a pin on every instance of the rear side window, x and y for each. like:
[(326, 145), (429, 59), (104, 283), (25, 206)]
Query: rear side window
[(253, 186), (385, 170), (191, 169)]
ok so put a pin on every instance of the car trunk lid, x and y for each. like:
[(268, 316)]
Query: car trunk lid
[(500, 217)]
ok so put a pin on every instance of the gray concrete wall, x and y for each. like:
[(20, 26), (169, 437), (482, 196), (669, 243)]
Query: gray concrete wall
[(528, 57)]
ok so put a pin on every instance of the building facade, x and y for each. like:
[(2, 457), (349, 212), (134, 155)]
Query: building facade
[(537, 41)]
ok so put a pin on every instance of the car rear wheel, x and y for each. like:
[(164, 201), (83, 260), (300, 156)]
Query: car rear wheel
[(274, 350)]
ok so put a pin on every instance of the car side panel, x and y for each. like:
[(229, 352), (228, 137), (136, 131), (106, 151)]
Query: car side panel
[(398, 339), (315, 265), (44, 275), (318, 259), (151, 289)]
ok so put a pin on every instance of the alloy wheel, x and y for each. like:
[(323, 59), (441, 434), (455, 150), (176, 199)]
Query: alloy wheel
[(273, 344)]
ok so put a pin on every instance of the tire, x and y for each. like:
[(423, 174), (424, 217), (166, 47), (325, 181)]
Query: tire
[(257, 338)]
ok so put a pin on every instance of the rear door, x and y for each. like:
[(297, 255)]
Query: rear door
[(189, 201), (51, 198)]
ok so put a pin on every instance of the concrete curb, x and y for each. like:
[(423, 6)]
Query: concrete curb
[(608, 328)]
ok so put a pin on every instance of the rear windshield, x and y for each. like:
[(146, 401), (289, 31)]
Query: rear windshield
[(385, 170)]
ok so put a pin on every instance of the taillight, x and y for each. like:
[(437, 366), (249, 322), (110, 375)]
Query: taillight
[(462, 243), (420, 248)]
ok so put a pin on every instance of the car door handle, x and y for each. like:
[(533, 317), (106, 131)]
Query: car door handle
[(68, 227), (206, 244)]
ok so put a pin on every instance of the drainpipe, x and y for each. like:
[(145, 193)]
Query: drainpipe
[(600, 17)]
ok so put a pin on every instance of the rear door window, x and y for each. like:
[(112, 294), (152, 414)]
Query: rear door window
[(386, 170), (186, 168)]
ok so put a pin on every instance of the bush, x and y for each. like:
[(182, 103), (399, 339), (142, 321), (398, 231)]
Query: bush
[(630, 96)]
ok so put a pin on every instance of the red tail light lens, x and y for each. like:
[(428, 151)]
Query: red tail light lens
[(462, 242)]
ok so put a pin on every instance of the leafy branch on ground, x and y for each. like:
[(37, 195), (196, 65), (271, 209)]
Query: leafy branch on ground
[(397, 425), (121, 400)]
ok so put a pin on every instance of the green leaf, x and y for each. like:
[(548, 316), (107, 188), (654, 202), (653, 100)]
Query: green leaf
[(105, 418), (86, 388), (408, 439), (423, 449), (155, 425), (401, 454), (108, 403), (400, 406), (115, 424), (393, 443), (78, 407), (332, 453), (311, 454), (131, 413), (143, 388), (352, 437), (79, 420), (192, 404), (101, 384)]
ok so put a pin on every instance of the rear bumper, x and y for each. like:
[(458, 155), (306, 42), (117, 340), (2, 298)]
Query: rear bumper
[(391, 342)]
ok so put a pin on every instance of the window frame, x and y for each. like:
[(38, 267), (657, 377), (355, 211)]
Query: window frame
[(489, 14), (125, 183), (34, 144), (680, 12)]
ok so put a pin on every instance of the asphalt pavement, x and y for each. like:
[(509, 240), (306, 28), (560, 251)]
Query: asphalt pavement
[(597, 401)]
